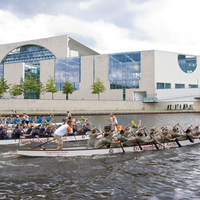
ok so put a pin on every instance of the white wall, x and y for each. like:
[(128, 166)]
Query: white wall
[(167, 94), (167, 70), (12, 74), (147, 82), (60, 105)]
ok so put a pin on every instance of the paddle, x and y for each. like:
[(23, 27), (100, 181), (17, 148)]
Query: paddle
[(40, 145), (122, 147), (14, 154), (188, 137), (176, 140), (138, 143), (93, 125), (153, 140)]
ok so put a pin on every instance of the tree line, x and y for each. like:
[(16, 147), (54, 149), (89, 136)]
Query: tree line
[(37, 87)]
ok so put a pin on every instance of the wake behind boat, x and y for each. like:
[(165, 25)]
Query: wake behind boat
[(84, 151)]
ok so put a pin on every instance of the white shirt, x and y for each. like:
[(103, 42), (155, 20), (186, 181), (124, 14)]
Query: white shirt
[(113, 120), (26, 118), (62, 130)]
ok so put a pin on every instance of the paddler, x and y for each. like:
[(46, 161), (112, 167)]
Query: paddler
[(62, 131), (122, 138), (137, 140), (104, 142), (93, 136), (113, 119)]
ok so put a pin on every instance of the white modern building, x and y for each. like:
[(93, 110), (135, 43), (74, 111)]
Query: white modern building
[(156, 79)]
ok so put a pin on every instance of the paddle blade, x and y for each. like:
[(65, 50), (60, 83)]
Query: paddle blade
[(83, 119), (14, 154)]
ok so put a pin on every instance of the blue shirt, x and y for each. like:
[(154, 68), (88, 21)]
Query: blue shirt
[(39, 120), (48, 119), (16, 121)]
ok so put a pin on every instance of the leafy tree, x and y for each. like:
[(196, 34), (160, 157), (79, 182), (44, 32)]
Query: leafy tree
[(33, 85), (98, 87), (21, 84), (4, 86), (15, 90), (67, 88), (50, 86)]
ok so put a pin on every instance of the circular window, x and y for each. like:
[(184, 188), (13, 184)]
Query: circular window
[(187, 63)]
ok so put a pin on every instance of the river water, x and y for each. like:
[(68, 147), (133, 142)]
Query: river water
[(163, 174)]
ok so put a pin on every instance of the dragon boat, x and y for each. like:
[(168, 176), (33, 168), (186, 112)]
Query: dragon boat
[(84, 151), (44, 139)]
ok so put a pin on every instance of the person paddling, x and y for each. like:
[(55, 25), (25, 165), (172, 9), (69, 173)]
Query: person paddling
[(187, 135), (104, 142), (93, 136), (62, 131)]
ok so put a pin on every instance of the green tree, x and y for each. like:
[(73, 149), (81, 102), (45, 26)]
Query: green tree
[(50, 86), (15, 90), (4, 86), (32, 85), (67, 88), (21, 84), (98, 87)]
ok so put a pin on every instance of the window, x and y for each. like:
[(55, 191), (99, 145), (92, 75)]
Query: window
[(167, 85), (124, 70), (34, 72), (67, 68), (31, 54), (163, 85), (1, 70), (177, 85), (187, 63), (193, 86)]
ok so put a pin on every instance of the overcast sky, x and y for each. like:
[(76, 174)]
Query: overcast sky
[(107, 26)]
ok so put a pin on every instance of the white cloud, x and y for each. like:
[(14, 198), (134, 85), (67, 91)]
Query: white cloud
[(107, 35), (162, 25), (172, 26), (84, 5)]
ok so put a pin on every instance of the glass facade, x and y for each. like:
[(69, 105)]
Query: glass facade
[(1, 70), (93, 68), (193, 86), (67, 68), (124, 70), (178, 85), (163, 85), (187, 63), (31, 54), (34, 72)]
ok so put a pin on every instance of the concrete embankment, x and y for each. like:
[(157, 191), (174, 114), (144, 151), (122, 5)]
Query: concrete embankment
[(85, 113)]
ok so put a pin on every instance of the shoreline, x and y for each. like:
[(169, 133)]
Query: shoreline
[(78, 113)]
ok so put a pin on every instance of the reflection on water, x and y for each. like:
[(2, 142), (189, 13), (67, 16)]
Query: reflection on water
[(162, 174)]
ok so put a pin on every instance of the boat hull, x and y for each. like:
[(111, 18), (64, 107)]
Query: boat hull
[(84, 151), (41, 140)]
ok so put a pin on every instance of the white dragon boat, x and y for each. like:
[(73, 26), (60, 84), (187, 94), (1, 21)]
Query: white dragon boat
[(84, 151), (28, 140), (12, 126)]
